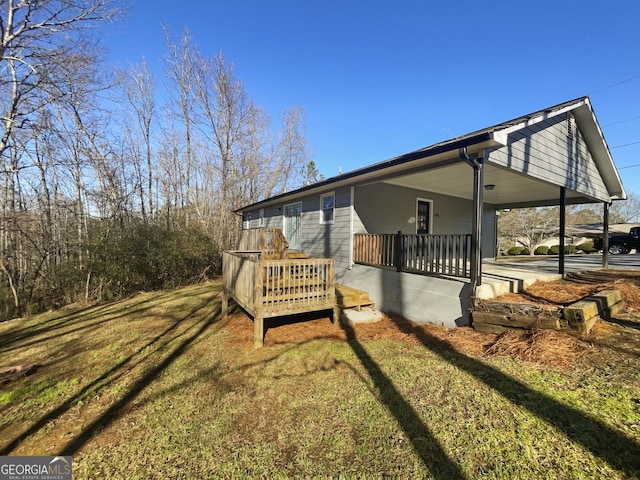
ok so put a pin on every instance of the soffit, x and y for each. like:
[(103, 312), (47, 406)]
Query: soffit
[(511, 188)]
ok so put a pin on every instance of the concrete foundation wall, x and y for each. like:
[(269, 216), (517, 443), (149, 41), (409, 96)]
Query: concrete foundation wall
[(417, 298)]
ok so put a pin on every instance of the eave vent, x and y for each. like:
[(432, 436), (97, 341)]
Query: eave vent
[(570, 125)]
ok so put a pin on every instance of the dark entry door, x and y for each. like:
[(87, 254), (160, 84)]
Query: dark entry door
[(423, 217)]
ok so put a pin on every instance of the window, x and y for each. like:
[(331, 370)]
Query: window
[(327, 207), (261, 217), (246, 221)]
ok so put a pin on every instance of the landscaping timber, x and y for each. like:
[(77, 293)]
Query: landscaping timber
[(500, 317)]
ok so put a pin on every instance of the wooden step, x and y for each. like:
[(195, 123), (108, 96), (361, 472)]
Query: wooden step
[(347, 297)]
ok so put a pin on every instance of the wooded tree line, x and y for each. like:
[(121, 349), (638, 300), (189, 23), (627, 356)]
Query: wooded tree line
[(109, 187)]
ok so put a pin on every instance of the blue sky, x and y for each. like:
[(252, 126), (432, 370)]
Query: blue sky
[(382, 78)]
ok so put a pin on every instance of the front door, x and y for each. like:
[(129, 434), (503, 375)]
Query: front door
[(292, 217), (423, 217)]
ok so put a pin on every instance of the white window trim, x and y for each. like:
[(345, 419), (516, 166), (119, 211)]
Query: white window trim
[(333, 217), (430, 202)]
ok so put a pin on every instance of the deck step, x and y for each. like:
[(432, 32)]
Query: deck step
[(347, 297)]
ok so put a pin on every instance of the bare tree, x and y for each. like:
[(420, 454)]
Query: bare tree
[(247, 161), (626, 211), (38, 41), (527, 226), (42, 45), (138, 89), (182, 64)]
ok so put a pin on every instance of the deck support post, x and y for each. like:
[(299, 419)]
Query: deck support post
[(258, 332), (225, 303), (336, 314), (563, 212)]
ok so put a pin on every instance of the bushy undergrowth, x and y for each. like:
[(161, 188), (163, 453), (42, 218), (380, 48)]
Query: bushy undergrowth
[(118, 262)]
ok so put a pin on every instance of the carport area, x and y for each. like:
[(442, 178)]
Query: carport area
[(513, 275)]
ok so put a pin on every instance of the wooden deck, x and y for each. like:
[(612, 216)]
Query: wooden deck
[(276, 287)]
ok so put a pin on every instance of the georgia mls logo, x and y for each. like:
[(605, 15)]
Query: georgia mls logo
[(35, 468), (59, 466)]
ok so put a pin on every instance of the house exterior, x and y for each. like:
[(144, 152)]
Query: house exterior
[(438, 205)]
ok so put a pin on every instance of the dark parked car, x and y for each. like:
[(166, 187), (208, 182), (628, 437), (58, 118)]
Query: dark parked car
[(621, 243)]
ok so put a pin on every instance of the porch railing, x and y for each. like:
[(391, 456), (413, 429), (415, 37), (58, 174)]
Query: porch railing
[(422, 254)]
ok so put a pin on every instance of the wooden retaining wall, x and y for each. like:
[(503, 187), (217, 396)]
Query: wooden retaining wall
[(491, 316)]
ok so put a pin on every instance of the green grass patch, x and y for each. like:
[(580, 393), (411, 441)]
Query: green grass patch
[(156, 386)]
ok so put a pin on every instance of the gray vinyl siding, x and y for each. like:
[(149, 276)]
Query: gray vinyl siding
[(317, 240), (387, 208), (546, 151), (327, 240)]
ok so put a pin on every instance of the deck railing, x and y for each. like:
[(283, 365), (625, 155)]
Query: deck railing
[(269, 241), (272, 288), (422, 254), (278, 287)]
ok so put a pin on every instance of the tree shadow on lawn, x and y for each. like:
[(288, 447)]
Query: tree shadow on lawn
[(46, 331), (424, 442), (120, 369), (619, 450)]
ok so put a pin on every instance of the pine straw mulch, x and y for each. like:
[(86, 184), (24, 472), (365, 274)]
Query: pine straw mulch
[(576, 287), (558, 349)]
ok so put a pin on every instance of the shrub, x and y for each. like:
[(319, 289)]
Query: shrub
[(515, 251), (525, 251), (569, 249), (586, 247), (541, 250), (555, 250)]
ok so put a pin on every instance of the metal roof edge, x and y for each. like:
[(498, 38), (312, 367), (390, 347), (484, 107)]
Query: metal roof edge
[(438, 148)]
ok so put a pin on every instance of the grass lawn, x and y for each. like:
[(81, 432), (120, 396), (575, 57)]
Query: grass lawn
[(159, 386)]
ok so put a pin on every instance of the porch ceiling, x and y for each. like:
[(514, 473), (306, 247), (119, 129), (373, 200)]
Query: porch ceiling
[(511, 188)]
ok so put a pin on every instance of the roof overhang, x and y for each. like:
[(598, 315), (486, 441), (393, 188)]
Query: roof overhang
[(440, 169), (426, 159)]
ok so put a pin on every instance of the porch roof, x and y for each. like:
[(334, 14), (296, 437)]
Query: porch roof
[(439, 167)]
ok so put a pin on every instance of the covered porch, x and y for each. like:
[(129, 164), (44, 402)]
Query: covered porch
[(428, 219)]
